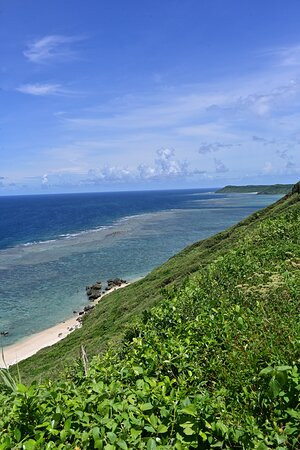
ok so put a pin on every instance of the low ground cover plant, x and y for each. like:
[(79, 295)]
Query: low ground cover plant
[(215, 364)]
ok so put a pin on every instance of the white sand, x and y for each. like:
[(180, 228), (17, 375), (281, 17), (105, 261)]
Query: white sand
[(30, 345)]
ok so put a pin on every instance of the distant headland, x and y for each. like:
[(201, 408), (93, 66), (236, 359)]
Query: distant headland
[(273, 189)]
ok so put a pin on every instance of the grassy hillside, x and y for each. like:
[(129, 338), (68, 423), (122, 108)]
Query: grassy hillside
[(273, 189), (212, 365), (109, 320)]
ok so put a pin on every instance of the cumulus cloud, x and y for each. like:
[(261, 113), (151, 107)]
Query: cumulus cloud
[(50, 47), (41, 89), (45, 179), (165, 167), (220, 166), (166, 164)]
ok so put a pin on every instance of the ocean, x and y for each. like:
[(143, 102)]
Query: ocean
[(52, 246)]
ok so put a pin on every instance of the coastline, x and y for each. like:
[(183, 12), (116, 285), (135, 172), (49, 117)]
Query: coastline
[(29, 346)]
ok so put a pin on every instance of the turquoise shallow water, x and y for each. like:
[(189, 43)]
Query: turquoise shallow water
[(51, 247)]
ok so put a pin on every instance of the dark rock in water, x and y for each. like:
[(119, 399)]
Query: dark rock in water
[(88, 308), (74, 312), (116, 282), (4, 333), (94, 295), (94, 291)]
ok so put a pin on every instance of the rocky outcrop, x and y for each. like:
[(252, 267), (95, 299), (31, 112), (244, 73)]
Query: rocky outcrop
[(94, 291), (116, 282)]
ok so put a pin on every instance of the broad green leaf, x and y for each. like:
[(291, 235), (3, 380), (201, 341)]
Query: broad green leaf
[(17, 434), (67, 425), (188, 431), (98, 443), (146, 407), (21, 388), (63, 435), (151, 444), (110, 447), (283, 368), (135, 433), (190, 410), (266, 370), (222, 427), (262, 446), (274, 388), (293, 413), (29, 445), (203, 436), (112, 437), (162, 428), (95, 432)]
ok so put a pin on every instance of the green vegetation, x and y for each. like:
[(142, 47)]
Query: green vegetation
[(213, 364), (273, 189)]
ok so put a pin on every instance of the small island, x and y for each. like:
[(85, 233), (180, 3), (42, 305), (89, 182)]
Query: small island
[(273, 189)]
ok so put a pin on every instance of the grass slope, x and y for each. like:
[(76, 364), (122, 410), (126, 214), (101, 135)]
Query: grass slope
[(212, 365), (273, 189), (109, 320)]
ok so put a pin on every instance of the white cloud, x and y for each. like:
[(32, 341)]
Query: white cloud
[(262, 103), (225, 118), (166, 164), (50, 47), (41, 89), (165, 167), (268, 167), (45, 179)]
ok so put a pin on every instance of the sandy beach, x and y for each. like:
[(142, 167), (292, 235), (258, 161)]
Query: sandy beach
[(32, 344)]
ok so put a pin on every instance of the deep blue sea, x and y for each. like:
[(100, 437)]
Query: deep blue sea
[(52, 246)]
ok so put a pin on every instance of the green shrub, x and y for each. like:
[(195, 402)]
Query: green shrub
[(213, 365)]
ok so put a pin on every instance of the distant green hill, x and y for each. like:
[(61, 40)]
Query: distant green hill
[(202, 353), (273, 189)]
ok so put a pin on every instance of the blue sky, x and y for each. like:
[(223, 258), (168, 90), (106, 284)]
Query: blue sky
[(104, 95)]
